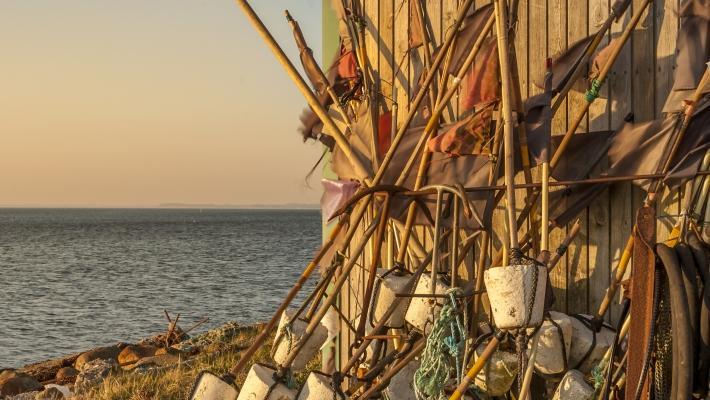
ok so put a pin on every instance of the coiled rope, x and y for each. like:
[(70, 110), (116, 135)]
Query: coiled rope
[(444, 347)]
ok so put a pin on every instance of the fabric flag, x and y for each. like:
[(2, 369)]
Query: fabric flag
[(471, 135), (481, 85), (466, 37), (538, 120), (416, 25), (564, 64), (336, 194), (692, 52)]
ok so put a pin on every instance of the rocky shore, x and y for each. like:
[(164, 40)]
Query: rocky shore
[(130, 370)]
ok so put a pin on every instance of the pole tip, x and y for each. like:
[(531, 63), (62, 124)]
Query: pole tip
[(288, 16)]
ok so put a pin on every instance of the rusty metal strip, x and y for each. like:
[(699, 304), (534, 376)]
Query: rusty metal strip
[(642, 282)]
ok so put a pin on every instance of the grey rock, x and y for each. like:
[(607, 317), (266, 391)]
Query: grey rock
[(93, 372)]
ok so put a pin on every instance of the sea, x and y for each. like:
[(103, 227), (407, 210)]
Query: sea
[(75, 279)]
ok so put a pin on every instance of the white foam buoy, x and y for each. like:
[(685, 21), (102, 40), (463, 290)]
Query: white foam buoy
[(211, 387), (389, 284), (550, 358), (510, 291), (583, 339), (497, 376), (260, 385), (573, 387), (317, 387), (419, 313), (401, 386), (286, 340)]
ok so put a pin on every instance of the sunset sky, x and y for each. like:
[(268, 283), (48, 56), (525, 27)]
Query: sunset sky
[(137, 103)]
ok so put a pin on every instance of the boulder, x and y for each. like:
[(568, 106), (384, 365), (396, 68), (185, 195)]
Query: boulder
[(23, 396), (47, 370), (131, 354), (50, 394), (93, 372), (100, 353), (66, 375), (13, 383)]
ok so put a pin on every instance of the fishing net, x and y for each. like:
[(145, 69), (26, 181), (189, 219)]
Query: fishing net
[(663, 341)]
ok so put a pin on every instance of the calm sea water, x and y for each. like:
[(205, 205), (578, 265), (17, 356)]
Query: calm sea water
[(72, 279)]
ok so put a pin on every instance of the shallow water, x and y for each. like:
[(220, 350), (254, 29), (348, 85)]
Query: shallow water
[(73, 279)]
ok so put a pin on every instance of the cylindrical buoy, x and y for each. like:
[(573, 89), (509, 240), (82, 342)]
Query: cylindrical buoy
[(318, 386), (511, 291), (423, 311), (389, 284), (260, 385), (401, 386), (289, 333), (582, 340), (209, 387), (555, 332), (573, 387), (497, 376)]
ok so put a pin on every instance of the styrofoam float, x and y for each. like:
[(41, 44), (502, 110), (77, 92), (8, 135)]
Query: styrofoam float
[(401, 386), (285, 342), (211, 387), (423, 311), (510, 291), (389, 284), (573, 387), (497, 376), (317, 387), (260, 385), (582, 340), (550, 358)]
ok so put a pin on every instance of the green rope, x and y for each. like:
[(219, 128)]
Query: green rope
[(593, 92), (598, 377), (444, 347)]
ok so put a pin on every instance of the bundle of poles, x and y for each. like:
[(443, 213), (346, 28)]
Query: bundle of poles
[(433, 322)]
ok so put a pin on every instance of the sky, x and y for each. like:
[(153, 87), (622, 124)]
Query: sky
[(137, 103)]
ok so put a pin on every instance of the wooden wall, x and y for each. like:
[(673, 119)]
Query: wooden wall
[(639, 83)]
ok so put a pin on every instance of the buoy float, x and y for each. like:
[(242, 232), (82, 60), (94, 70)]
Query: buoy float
[(582, 340), (420, 313), (401, 386), (318, 386), (260, 385), (510, 291), (389, 283), (573, 387), (287, 337), (497, 376), (551, 357)]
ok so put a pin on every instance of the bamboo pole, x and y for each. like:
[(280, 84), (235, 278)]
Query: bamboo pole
[(337, 285), (268, 328), (527, 379), (463, 10), (507, 114), (589, 51), (593, 92), (574, 230), (303, 87), (392, 371), (651, 196), (478, 365), (433, 120)]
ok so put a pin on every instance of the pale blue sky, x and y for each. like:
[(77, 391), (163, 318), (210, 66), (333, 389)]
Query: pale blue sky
[(138, 103)]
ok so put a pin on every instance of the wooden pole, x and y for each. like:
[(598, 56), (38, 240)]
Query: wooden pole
[(268, 328), (527, 379), (303, 87), (651, 196), (593, 92), (478, 365), (588, 52), (507, 114)]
